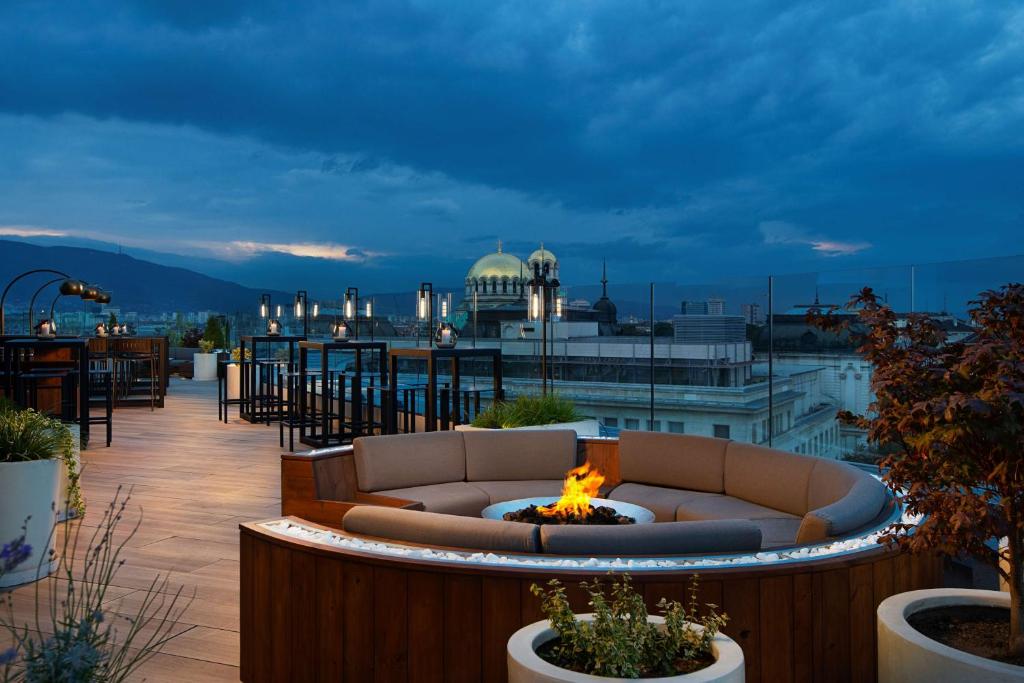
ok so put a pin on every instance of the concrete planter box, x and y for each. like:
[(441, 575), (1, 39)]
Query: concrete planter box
[(29, 489), (904, 654), (582, 427), (525, 666), (204, 367)]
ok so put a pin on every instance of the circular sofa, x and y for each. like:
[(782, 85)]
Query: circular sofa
[(708, 495)]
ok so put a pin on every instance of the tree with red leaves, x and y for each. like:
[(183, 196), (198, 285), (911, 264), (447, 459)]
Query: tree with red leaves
[(950, 417)]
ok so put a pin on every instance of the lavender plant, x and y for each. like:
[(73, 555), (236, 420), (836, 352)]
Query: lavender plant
[(620, 641), (76, 639)]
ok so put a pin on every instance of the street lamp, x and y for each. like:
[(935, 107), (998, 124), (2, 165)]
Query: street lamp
[(543, 286), (425, 310)]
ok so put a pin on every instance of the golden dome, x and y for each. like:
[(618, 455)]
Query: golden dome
[(497, 265)]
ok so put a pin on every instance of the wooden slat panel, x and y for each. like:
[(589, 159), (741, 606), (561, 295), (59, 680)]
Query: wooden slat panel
[(741, 601), (862, 624), (390, 630), (529, 604), (357, 663), (426, 627), (302, 621), (882, 579), (280, 616), (330, 619), (835, 623), (463, 648), (776, 615), (501, 614), (803, 628), (263, 589), (247, 604), (902, 573)]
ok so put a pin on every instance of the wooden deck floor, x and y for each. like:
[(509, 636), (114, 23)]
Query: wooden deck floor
[(194, 479)]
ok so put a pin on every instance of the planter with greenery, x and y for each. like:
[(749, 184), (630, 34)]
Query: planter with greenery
[(535, 412), (74, 635), (33, 449), (619, 640), (949, 417), (204, 363), (234, 371)]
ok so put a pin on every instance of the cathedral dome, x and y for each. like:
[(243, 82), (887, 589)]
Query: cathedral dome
[(542, 256), (497, 265)]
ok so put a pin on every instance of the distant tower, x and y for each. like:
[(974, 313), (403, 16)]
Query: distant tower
[(716, 306), (606, 312)]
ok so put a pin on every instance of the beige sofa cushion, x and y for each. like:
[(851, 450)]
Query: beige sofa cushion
[(507, 455), (403, 460), (774, 479), (432, 529), (499, 491), (862, 503), (727, 507), (452, 498), (669, 538), (678, 461), (659, 500)]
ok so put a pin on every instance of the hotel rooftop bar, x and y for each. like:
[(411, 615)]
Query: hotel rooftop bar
[(348, 493)]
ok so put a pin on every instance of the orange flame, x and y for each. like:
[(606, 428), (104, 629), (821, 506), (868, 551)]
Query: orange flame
[(581, 484)]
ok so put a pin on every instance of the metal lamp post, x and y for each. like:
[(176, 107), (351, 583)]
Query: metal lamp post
[(302, 310), (369, 315), (539, 304), (69, 287)]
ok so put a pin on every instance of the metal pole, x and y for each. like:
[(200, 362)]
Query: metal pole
[(771, 355), (3, 297), (544, 340), (651, 426), (32, 303)]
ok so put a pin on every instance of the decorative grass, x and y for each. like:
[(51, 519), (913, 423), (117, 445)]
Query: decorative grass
[(528, 411)]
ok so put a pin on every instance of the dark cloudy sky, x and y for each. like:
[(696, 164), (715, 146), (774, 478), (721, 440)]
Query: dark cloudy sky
[(387, 142)]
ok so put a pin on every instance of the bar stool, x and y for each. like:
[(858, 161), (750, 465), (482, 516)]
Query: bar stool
[(265, 398), (288, 414), (128, 356), (27, 383), (223, 398), (101, 386)]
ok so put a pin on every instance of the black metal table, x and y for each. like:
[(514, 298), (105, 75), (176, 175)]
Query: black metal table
[(249, 393), (79, 349), (356, 427), (432, 356)]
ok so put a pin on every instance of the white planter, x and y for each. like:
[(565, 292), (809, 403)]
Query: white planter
[(525, 666), (64, 484), (582, 427), (904, 654), (29, 489), (204, 367), (234, 375)]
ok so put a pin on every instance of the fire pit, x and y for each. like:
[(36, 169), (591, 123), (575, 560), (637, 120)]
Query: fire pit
[(578, 505)]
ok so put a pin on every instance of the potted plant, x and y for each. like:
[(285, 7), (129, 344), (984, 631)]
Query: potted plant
[(534, 412), (620, 640), (950, 418), (33, 448)]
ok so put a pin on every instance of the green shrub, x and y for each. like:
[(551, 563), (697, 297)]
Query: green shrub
[(27, 435), (528, 411), (620, 641), (214, 333)]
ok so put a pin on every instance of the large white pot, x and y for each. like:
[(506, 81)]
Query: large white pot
[(582, 427), (234, 375), (525, 666), (64, 511), (906, 655), (29, 489), (204, 367)]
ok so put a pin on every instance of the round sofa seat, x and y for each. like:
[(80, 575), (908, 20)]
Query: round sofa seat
[(472, 533)]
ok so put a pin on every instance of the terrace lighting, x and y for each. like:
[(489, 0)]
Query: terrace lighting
[(69, 287), (101, 330), (264, 305), (340, 331), (46, 329), (543, 291), (425, 308), (302, 310), (350, 309)]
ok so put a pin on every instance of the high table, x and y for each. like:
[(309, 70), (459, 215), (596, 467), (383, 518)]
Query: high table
[(250, 391), (432, 355), (355, 428), (49, 351)]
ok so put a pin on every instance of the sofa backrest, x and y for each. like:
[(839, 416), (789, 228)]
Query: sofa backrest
[(433, 529), (840, 499), (666, 538), (768, 477), (681, 461), (507, 455), (403, 460)]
